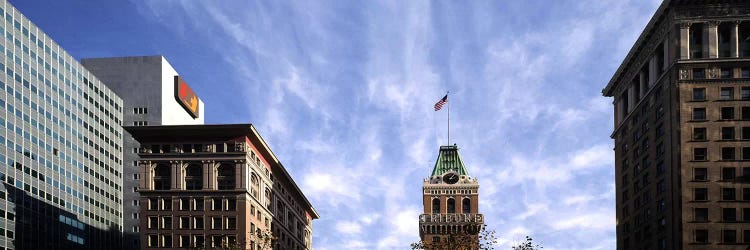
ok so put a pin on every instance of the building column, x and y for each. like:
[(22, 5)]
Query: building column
[(241, 175), (209, 174), (713, 39), (652, 74), (734, 43), (685, 41), (174, 175), (147, 177)]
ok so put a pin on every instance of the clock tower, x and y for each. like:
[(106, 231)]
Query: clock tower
[(450, 196)]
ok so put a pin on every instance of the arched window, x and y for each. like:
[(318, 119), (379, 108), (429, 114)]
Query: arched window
[(225, 179), (268, 198), (436, 206), (466, 206), (254, 185), (194, 177), (744, 39), (451, 206), (162, 174)]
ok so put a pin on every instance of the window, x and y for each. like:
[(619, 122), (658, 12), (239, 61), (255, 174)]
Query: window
[(162, 174), (727, 153), (728, 174), (194, 177), (700, 174), (745, 72), (184, 204), (166, 204), (727, 113), (699, 94), (699, 154), (729, 236), (199, 240), (701, 215), (746, 153), (746, 194), (699, 73), (135, 215), (727, 133), (184, 222), (451, 206), (225, 178), (746, 214), (699, 134), (153, 240), (153, 222), (166, 222), (729, 214), (216, 204), (728, 194), (140, 111), (701, 236), (727, 93), (231, 204), (435, 239), (699, 114), (184, 241), (215, 222), (215, 240), (466, 205), (700, 194), (745, 93), (198, 222), (231, 223), (198, 206), (726, 73), (166, 240), (746, 236), (746, 133), (153, 204)]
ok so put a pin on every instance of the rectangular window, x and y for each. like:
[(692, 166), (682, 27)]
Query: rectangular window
[(700, 174), (185, 241), (746, 133), (745, 113), (729, 214), (699, 154), (198, 204), (745, 93), (727, 153), (231, 204), (215, 222), (184, 222), (153, 222), (231, 223), (699, 114), (746, 153), (746, 214), (184, 204), (166, 222), (699, 134), (728, 174), (746, 236), (746, 194), (198, 222), (216, 204), (729, 236), (745, 72), (153, 240), (727, 133), (153, 204), (700, 194), (727, 113), (699, 94), (166, 204), (727, 93), (726, 73), (699, 73), (701, 236), (728, 194), (701, 215), (166, 240)]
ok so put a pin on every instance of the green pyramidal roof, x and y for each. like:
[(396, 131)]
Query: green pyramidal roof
[(449, 159)]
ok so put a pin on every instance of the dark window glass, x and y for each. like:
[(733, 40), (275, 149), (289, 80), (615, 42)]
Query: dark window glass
[(699, 134), (728, 174), (699, 73), (727, 93), (730, 236), (699, 154), (699, 114), (700, 194), (699, 94), (727, 153), (727, 133), (701, 215), (729, 214), (745, 93), (746, 153), (745, 113), (726, 73), (727, 113), (746, 236), (701, 236), (728, 194), (746, 194), (746, 133), (746, 72)]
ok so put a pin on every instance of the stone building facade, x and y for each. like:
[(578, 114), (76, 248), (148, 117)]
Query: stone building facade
[(217, 186), (682, 129)]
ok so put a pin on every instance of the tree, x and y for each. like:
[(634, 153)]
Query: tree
[(484, 240), (527, 245), (264, 240)]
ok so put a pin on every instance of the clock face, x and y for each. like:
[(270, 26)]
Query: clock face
[(450, 178)]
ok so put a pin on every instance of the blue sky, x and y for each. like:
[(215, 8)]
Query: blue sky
[(343, 92)]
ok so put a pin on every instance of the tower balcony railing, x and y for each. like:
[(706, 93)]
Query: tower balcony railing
[(451, 218)]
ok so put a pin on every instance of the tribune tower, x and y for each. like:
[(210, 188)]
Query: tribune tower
[(450, 198)]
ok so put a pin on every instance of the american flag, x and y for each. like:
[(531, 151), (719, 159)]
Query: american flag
[(440, 103)]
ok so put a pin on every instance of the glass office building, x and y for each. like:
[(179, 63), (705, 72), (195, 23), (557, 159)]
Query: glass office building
[(60, 146)]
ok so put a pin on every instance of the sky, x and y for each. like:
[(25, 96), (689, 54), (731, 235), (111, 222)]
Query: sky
[(343, 92)]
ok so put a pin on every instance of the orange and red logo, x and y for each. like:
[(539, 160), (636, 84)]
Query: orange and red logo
[(186, 97)]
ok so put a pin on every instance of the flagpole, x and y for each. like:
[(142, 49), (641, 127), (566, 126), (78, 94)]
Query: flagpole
[(449, 119)]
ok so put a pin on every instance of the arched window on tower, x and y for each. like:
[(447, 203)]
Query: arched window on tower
[(162, 173), (194, 177), (225, 179), (451, 206), (436, 206), (466, 205)]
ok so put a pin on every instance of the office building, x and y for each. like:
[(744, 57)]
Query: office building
[(60, 146), (217, 186), (152, 93), (450, 197), (682, 129)]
